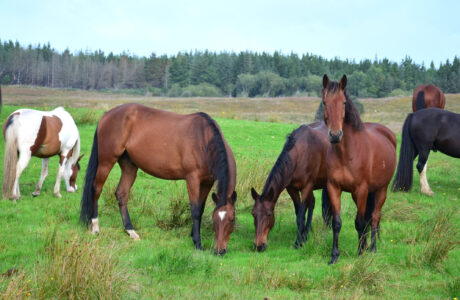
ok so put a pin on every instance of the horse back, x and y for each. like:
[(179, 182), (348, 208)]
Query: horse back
[(309, 155), (164, 144)]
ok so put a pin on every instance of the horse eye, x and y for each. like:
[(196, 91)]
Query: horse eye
[(232, 220)]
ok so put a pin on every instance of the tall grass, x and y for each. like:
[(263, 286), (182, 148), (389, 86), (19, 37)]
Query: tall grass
[(73, 268), (440, 236), (251, 173)]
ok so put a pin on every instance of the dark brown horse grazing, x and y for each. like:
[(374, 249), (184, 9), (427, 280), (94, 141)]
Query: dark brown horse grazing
[(169, 146), (300, 168), (427, 95), (361, 160)]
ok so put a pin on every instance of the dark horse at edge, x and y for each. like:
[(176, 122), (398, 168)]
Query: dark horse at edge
[(300, 169), (169, 146), (424, 130)]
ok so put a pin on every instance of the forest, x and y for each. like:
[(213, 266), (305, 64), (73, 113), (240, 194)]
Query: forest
[(204, 73)]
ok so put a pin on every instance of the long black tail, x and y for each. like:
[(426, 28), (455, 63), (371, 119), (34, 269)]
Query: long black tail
[(327, 209), (420, 102), (404, 174), (87, 207)]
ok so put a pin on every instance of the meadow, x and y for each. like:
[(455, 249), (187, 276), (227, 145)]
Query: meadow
[(45, 253)]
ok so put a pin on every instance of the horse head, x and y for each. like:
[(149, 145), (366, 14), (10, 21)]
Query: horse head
[(264, 217), (224, 221), (73, 177), (334, 102)]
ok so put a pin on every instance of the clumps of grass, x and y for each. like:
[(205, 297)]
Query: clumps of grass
[(252, 172), (440, 235), (402, 211), (81, 268), (177, 213), (454, 287), (365, 273), (272, 277), (72, 268), (15, 286)]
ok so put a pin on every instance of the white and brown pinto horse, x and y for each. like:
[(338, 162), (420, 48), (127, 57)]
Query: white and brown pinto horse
[(43, 134)]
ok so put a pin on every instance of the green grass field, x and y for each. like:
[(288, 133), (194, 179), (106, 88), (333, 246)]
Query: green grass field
[(418, 254)]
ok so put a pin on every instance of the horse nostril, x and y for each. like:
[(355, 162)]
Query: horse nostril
[(262, 247)]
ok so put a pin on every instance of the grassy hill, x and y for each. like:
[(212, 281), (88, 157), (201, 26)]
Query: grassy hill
[(53, 256)]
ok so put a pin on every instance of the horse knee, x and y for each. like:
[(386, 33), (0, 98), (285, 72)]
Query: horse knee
[(336, 223), (360, 224), (196, 211)]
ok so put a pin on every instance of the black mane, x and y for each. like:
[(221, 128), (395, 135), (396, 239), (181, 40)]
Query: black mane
[(352, 116), (282, 164), (218, 163)]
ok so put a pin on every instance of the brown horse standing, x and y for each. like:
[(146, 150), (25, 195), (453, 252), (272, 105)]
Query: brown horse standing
[(169, 146), (427, 95), (300, 169), (361, 160)]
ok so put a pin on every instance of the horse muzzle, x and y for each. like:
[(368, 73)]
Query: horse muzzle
[(220, 252), (335, 138), (261, 247)]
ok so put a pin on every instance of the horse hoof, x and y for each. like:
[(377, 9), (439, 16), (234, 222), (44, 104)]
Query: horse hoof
[(427, 193), (58, 195), (133, 234), (35, 194), (333, 260)]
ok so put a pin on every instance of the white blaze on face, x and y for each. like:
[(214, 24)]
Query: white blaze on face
[(222, 215)]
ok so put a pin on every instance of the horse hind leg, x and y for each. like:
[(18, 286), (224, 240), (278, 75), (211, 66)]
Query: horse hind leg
[(300, 210), (128, 176), (422, 167), (22, 163), (43, 175)]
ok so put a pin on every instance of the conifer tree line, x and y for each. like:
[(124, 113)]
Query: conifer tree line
[(205, 73)]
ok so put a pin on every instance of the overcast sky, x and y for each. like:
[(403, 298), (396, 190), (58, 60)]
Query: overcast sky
[(424, 30)]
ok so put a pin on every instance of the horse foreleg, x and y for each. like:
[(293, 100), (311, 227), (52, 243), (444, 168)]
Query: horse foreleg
[(128, 176), (57, 186), (300, 209), (380, 197), (360, 198), (334, 198), (22, 163), (196, 209), (421, 167), (43, 175)]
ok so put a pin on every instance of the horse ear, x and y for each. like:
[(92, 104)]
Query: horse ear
[(325, 81), (234, 197), (254, 194), (214, 198), (343, 82), (80, 157), (270, 194)]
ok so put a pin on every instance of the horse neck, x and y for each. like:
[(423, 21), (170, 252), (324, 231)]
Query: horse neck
[(344, 148), (277, 189)]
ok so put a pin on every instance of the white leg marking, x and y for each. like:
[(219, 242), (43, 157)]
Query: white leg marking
[(57, 187), (94, 226), (222, 215), (424, 186), (133, 234)]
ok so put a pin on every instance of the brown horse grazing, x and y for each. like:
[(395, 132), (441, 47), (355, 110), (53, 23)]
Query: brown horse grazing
[(300, 168), (427, 95), (361, 160), (169, 146)]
